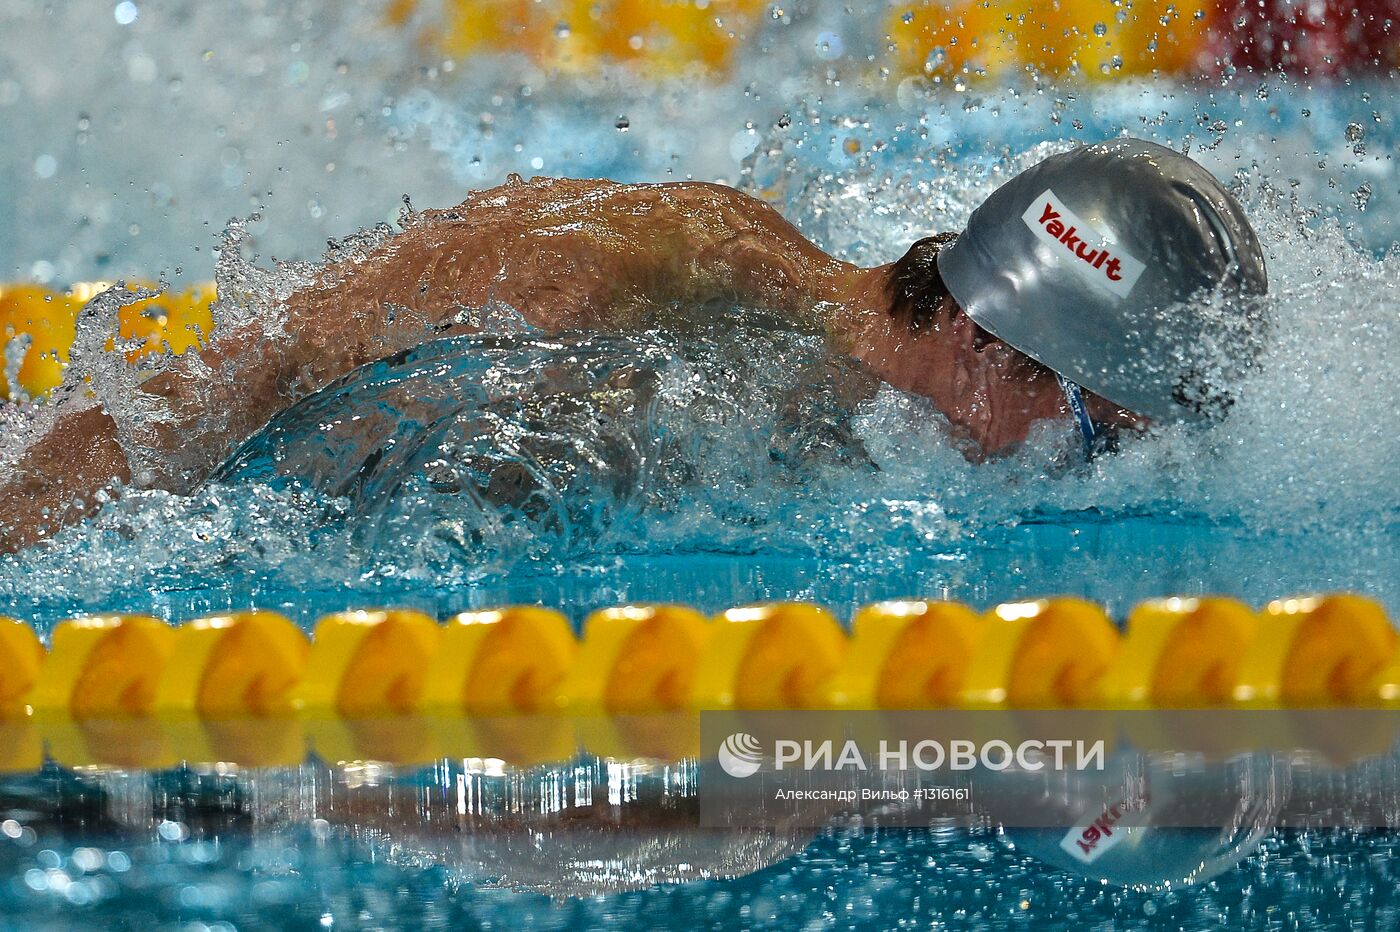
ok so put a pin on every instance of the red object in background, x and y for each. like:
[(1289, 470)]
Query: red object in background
[(1308, 37)]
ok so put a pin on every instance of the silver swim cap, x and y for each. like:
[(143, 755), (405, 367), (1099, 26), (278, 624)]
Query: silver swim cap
[(1083, 261)]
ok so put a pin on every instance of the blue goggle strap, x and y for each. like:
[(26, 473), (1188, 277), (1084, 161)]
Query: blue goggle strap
[(1075, 398)]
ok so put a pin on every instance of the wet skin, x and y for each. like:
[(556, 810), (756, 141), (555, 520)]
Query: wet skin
[(565, 254)]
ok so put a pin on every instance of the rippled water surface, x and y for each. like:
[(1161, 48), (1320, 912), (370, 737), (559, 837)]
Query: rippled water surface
[(716, 464)]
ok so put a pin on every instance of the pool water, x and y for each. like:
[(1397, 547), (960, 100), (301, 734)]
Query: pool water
[(725, 462), (139, 850)]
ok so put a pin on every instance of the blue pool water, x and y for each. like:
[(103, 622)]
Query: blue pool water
[(722, 464)]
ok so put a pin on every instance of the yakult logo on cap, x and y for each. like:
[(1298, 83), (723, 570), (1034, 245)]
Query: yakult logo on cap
[(1086, 842), (1089, 252)]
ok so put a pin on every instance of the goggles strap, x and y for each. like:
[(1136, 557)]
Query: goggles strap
[(1075, 398)]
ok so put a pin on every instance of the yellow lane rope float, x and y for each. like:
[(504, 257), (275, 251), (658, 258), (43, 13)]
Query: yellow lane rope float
[(972, 38), (239, 664), (38, 326), (577, 36), (1182, 652), (515, 684), (500, 661), (636, 659), (936, 38), (910, 654)]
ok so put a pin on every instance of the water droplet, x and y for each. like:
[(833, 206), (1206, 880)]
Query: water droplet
[(830, 46), (1355, 132), (1100, 29), (623, 124), (125, 13), (1362, 196)]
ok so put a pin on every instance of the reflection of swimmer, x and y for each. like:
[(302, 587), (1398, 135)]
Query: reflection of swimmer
[(515, 829), (1069, 275)]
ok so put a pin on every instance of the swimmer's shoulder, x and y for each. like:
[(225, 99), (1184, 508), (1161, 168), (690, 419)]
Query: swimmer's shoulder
[(538, 194), (543, 193)]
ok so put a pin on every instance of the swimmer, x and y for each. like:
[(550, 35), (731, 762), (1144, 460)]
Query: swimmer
[(1065, 298)]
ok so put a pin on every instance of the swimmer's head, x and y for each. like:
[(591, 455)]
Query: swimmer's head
[(1095, 262), (990, 392)]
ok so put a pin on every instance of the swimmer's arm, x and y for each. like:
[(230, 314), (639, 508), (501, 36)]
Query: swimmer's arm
[(58, 480), (205, 408)]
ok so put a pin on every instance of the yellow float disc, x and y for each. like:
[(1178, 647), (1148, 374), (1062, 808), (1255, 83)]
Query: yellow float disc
[(1048, 653), (1318, 650), (637, 658), (21, 656), (907, 655), (48, 321), (582, 35), (247, 663), (501, 661), (1071, 37), (776, 656), (106, 666), (1181, 653), (368, 663), (167, 323)]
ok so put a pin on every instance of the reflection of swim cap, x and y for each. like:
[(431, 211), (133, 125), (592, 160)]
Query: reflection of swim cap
[(1157, 820), (1081, 263)]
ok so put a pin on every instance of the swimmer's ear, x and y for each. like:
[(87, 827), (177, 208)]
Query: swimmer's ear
[(916, 292)]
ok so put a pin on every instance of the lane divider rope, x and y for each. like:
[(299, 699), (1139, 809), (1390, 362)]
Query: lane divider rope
[(515, 683)]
